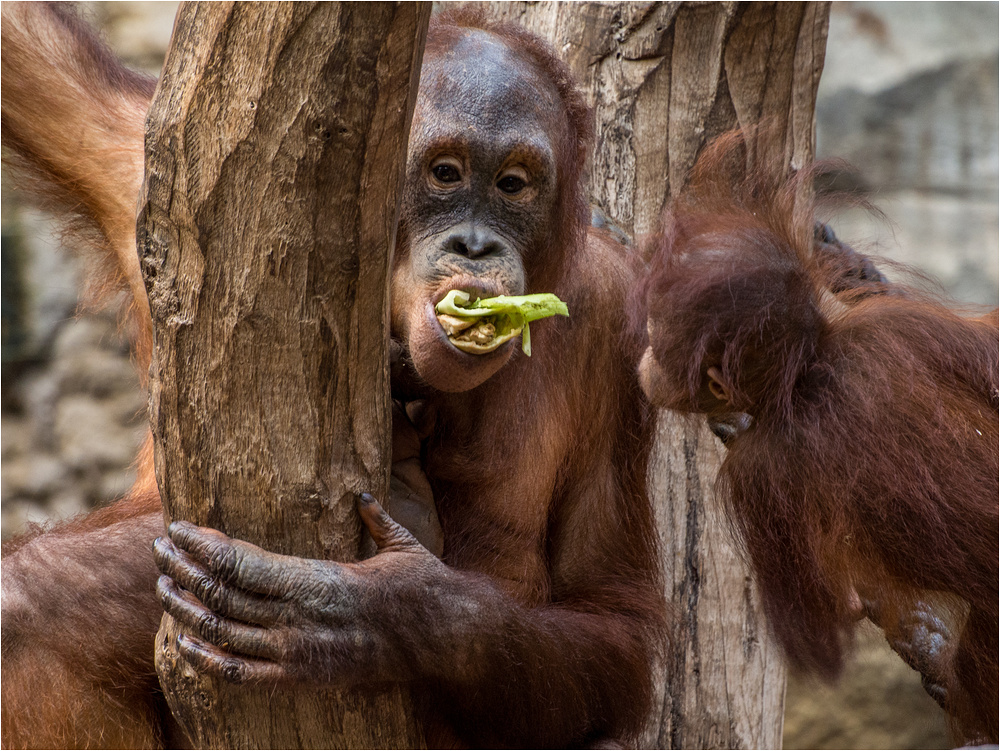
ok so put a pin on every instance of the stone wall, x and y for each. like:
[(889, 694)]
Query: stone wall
[(73, 413)]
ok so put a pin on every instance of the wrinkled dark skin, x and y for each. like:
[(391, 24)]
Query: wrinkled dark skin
[(480, 189), (924, 641), (296, 621)]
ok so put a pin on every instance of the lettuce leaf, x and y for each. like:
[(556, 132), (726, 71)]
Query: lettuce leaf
[(511, 314)]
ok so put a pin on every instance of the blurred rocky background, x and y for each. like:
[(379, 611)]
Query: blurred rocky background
[(72, 411), (909, 96)]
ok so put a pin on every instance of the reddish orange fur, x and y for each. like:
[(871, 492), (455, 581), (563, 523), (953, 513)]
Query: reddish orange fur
[(72, 122), (537, 507), (871, 464), (78, 668)]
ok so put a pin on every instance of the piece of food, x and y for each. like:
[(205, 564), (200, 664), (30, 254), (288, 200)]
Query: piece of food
[(481, 325)]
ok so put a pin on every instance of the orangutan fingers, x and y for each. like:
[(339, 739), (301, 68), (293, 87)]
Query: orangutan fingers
[(224, 557), (211, 660), (188, 573), (242, 564), (923, 640), (321, 656), (214, 594), (387, 534), (225, 633)]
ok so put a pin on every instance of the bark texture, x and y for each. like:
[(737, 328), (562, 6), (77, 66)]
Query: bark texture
[(275, 148), (664, 78)]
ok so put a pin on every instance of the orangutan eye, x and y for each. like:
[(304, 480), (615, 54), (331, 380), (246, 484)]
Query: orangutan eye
[(511, 184), (514, 181), (446, 172)]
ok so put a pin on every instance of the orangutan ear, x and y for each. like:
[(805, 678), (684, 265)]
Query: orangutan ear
[(718, 386)]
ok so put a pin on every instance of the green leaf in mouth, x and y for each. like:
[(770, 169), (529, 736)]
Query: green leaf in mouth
[(480, 326)]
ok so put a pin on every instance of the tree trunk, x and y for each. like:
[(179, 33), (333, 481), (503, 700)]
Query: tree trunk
[(664, 78), (275, 148)]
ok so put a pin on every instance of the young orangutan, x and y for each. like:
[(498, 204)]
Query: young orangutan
[(861, 423)]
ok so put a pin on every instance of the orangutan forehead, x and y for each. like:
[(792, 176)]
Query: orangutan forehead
[(480, 78)]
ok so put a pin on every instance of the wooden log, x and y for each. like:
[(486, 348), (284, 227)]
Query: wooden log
[(275, 148)]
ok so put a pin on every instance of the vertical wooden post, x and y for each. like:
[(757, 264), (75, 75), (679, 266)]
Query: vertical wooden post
[(275, 148), (664, 78)]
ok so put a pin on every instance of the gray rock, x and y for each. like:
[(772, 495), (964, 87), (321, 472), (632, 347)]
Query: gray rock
[(96, 371), (50, 276), (17, 513), (909, 95), (89, 436), (33, 475), (934, 131), (874, 46), (115, 483)]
